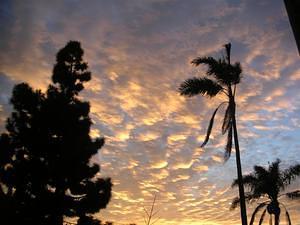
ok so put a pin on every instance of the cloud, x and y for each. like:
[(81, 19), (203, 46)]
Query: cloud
[(139, 53)]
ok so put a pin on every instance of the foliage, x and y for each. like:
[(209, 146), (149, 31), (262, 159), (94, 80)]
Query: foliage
[(269, 183), (221, 77), (45, 169)]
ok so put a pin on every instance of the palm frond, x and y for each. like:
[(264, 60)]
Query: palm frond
[(225, 73), (203, 86), (228, 146), (235, 203), (236, 71), (274, 167), (291, 174), (260, 171), (288, 218), (249, 180), (235, 183), (211, 123), (227, 119), (275, 176), (259, 180), (262, 217), (287, 215), (210, 61), (259, 207), (293, 194)]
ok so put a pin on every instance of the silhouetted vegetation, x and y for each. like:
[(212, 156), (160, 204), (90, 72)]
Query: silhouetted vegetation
[(221, 78), (150, 214), (268, 183), (45, 170), (106, 223)]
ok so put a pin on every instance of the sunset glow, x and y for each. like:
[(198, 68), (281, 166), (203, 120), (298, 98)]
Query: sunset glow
[(139, 51)]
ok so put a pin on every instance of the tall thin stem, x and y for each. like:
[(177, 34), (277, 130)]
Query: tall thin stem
[(277, 215), (238, 161), (151, 214), (236, 144)]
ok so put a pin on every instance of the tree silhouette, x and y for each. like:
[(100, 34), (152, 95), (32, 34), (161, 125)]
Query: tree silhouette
[(269, 183), (223, 78), (108, 223), (45, 166)]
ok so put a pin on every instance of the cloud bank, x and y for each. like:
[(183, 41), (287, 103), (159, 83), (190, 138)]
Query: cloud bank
[(139, 52)]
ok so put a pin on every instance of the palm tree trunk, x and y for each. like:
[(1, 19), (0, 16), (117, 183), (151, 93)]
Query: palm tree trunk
[(277, 218), (239, 173), (237, 147), (238, 162), (277, 213)]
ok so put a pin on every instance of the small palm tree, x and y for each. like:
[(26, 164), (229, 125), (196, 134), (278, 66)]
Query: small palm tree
[(222, 78), (268, 183)]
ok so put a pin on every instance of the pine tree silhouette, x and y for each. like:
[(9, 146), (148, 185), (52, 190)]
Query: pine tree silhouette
[(45, 170)]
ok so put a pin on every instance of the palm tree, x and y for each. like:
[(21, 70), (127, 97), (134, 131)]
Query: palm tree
[(221, 78), (268, 183)]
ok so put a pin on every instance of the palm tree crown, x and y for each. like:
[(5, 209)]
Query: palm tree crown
[(269, 183), (221, 78)]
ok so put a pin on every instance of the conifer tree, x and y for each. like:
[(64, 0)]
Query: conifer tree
[(45, 155)]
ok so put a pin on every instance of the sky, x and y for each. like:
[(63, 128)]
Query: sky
[(139, 51)]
